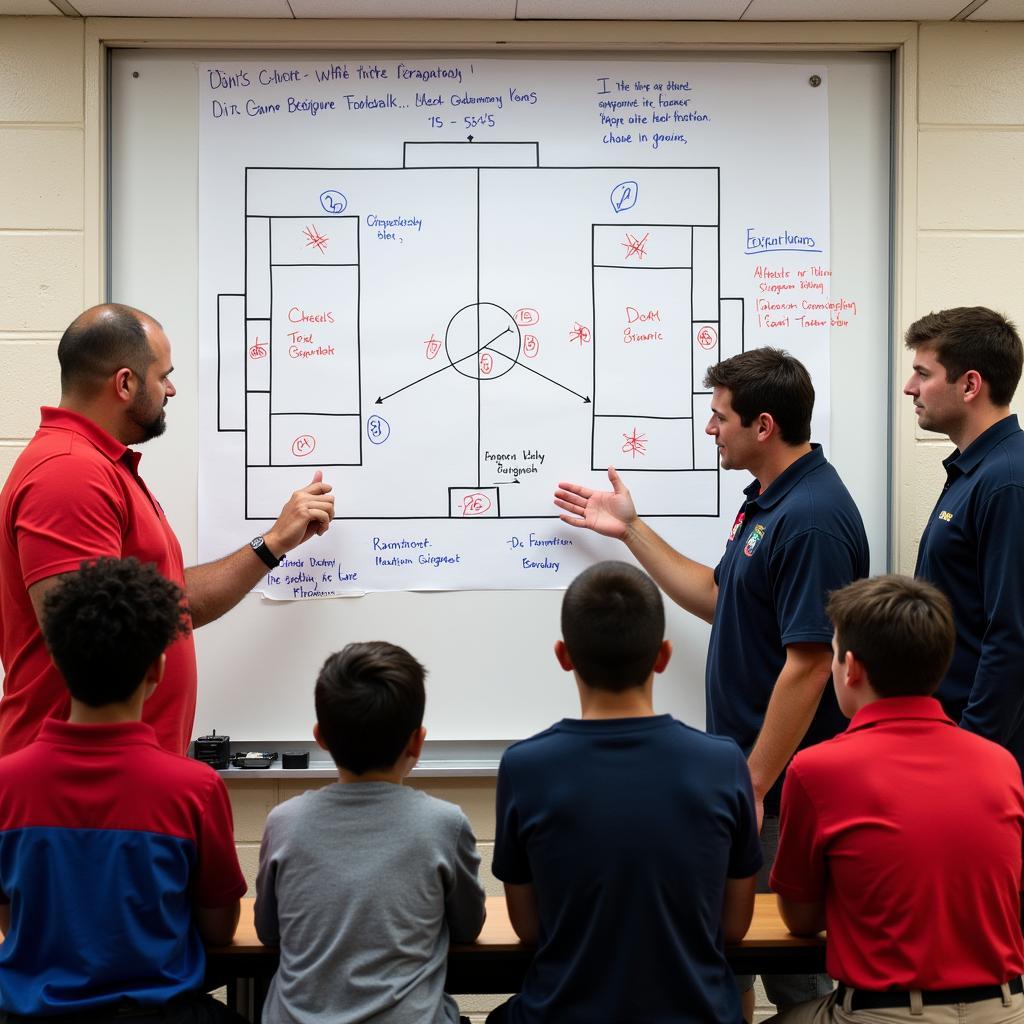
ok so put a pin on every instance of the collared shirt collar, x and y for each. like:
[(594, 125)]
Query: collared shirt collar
[(886, 709), (966, 461), (96, 737), (65, 419), (786, 480)]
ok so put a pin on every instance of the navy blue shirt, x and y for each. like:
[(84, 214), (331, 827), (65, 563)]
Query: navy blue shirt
[(972, 550), (788, 547), (627, 829)]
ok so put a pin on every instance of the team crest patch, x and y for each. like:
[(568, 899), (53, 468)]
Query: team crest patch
[(946, 517), (753, 539), (736, 526)]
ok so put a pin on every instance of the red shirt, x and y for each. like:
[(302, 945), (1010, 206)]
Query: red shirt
[(910, 830), (75, 493), (107, 844)]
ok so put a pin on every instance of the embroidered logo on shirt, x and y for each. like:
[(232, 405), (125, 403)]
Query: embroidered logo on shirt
[(736, 526), (946, 517), (753, 540)]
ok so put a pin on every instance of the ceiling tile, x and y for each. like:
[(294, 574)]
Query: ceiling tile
[(999, 10), (404, 8), (182, 8), (632, 10), (26, 7), (853, 10)]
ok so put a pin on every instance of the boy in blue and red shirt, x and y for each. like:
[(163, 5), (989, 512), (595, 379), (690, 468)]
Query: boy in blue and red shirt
[(117, 858)]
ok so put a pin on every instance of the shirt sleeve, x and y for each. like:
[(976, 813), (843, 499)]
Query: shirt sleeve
[(464, 896), (511, 863), (799, 869), (996, 699), (745, 857), (265, 911), (69, 510), (219, 879), (804, 570)]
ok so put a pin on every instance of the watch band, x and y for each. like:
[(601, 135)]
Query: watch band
[(267, 557)]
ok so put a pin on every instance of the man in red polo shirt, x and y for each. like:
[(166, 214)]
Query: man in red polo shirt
[(75, 494), (902, 836)]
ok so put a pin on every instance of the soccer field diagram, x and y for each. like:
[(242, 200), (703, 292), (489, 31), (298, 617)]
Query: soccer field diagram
[(448, 338)]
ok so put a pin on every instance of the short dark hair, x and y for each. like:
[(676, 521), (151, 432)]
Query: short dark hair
[(613, 623), (768, 380), (901, 629), (100, 341), (369, 700), (973, 338), (106, 624)]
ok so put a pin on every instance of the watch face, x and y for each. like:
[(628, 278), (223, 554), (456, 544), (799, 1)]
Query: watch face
[(256, 543)]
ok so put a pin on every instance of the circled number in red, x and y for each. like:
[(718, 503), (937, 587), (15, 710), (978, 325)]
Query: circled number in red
[(303, 445), (707, 337)]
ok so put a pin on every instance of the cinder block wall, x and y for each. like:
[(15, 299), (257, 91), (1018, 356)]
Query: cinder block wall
[(970, 213), (42, 213)]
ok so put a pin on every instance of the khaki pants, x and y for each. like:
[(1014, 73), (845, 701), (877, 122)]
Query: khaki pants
[(830, 1010)]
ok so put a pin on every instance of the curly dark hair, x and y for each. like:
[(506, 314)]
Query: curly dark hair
[(106, 624)]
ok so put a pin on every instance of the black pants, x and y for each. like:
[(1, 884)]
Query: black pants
[(499, 1015)]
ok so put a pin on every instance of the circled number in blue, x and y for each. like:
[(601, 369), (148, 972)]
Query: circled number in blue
[(623, 196), (378, 430), (333, 201)]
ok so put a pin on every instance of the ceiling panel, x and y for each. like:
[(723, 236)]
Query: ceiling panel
[(404, 8), (999, 10), (29, 7), (632, 10), (182, 8), (853, 10)]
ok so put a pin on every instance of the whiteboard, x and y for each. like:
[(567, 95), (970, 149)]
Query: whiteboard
[(492, 676)]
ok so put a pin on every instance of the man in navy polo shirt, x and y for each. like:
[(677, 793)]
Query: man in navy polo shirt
[(797, 536), (967, 362)]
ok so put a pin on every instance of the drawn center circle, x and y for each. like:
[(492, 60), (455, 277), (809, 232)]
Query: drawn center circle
[(482, 341)]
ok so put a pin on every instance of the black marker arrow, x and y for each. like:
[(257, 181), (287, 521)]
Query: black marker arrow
[(502, 483), (470, 137), (586, 398), (380, 401), (450, 366)]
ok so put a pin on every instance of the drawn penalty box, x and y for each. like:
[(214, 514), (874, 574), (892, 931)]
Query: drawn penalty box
[(302, 334), (658, 316)]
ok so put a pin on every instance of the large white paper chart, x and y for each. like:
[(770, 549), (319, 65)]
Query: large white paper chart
[(450, 284)]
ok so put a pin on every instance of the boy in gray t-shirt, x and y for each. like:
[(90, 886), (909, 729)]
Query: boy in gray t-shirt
[(363, 884)]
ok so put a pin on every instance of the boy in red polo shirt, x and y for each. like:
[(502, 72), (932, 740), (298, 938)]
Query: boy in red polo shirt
[(902, 836)]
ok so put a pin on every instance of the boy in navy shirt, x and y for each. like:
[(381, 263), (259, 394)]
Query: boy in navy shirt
[(117, 858), (626, 840)]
